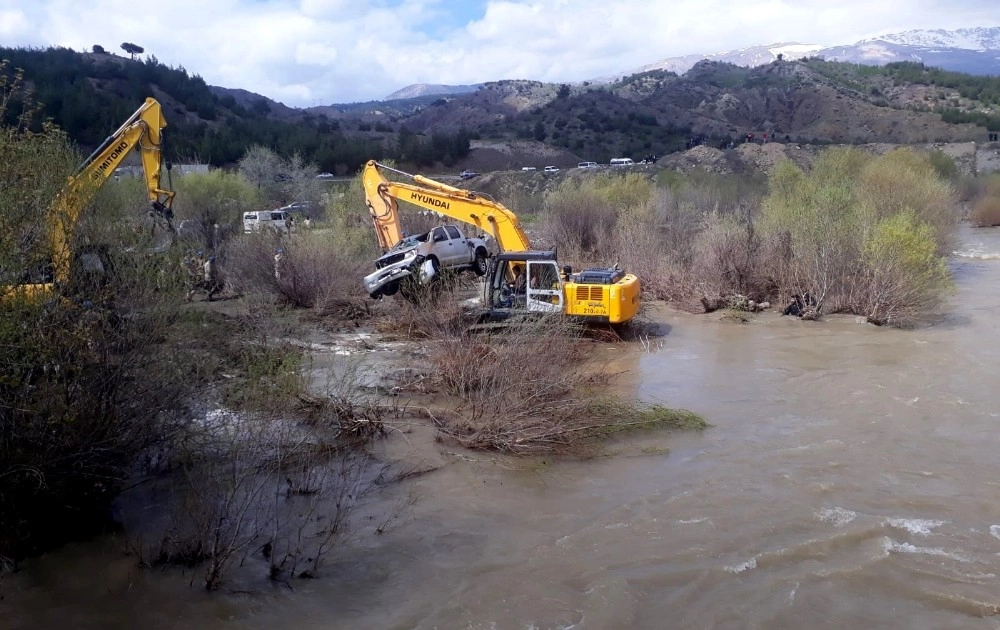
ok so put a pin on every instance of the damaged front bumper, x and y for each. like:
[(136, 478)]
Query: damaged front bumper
[(385, 280)]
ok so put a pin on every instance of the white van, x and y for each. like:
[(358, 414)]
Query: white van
[(622, 162), (260, 219), (587, 165)]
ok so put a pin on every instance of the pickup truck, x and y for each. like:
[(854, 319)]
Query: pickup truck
[(423, 256)]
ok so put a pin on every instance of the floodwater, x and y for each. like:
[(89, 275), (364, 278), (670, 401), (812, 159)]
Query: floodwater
[(850, 479)]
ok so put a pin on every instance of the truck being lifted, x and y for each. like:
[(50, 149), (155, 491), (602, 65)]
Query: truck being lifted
[(421, 256), (519, 280)]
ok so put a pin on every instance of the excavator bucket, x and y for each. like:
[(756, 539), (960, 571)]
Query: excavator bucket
[(163, 228)]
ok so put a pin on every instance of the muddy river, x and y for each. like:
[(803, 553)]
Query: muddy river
[(851, 478)]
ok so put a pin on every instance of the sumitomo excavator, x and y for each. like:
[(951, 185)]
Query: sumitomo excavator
[(142, 131)]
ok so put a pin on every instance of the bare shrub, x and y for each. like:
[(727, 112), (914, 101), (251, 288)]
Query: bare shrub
[(580, 223), (654, 247), (986, 212), (315, 271), (438, 314), (529, 388), (276, 472), (733, 257)]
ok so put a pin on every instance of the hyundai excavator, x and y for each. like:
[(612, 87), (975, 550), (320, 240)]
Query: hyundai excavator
[(142, 131), (520, 280)]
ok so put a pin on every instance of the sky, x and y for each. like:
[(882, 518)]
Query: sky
[(305, 53)]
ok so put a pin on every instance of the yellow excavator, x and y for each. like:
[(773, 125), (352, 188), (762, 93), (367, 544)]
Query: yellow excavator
[(142, 131), (520, 279)]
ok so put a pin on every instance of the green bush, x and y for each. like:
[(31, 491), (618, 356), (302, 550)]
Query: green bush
[(838, 220), (216, 197), (903, 277)]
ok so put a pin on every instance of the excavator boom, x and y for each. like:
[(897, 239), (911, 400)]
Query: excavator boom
[(382, 195), (142, 131)]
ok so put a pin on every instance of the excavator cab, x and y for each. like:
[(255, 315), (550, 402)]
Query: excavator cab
[(524, 282)]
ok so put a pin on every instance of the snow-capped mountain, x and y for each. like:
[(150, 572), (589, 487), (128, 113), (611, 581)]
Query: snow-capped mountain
[(971, 50), (429, 89), (963, 38), (752, 56)]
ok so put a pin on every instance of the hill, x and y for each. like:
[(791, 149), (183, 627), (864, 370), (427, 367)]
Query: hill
[(808, 101)]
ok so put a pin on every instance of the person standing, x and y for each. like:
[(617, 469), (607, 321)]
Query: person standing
[(193, 267), (279, 263), (211, 271)]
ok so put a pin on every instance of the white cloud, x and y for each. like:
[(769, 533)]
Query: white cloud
[(307, 52)]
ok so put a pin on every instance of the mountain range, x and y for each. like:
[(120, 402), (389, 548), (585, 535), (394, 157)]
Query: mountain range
[(969, 50)]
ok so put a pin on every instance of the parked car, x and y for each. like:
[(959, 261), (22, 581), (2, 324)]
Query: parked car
[(467, 174), (325, 176), (551, 169), (587, 165), (528, 168), (258, 220), (298, 206)]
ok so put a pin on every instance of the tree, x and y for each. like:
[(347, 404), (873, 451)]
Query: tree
[(132, 49), (539, 132), (99, 50), (563, 91)]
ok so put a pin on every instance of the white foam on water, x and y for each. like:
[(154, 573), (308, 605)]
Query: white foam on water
[(977, 253), (743, 566), (921, 526), (837, 516), (890, 546)]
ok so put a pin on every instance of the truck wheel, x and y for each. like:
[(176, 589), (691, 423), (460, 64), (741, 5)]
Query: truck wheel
[(390, 289), (480, 266)]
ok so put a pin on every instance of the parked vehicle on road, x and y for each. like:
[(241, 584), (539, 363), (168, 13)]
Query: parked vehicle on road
[(587, 165), (467, 174), (622, 162), (551, 169), (528, 168), (259, 220)]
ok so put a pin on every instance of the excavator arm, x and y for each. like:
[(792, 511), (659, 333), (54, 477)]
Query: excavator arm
[(382, 197), (142, 131)]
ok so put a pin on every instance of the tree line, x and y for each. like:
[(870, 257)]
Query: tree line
[(89, 96)]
